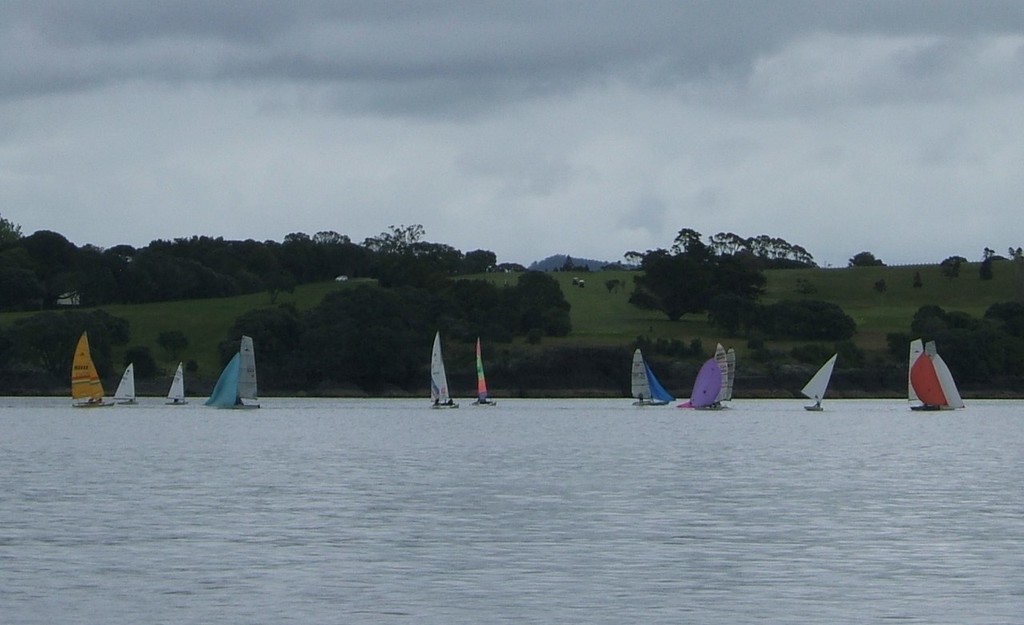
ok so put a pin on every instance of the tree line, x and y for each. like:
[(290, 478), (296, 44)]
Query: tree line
[(375, 337), (367, 336), (39, 270)]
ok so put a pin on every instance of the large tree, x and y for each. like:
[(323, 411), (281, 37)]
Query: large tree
[(865, 259), (685, 279)]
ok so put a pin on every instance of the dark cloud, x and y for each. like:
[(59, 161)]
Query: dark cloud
[(390, 54)]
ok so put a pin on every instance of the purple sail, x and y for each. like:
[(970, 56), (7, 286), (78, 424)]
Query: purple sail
[(706, 387)]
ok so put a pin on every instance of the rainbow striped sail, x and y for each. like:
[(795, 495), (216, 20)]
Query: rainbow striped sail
[(481, 382)]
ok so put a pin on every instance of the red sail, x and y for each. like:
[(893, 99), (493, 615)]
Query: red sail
[(926, 382)]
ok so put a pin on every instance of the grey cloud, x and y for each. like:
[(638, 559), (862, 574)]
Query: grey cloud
[(391, 53), (518, 114)]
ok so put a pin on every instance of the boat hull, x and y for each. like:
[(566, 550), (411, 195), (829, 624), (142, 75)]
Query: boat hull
[(93, 404)]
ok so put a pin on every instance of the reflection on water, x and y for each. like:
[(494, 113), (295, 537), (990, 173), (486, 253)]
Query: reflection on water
[(590, 511)]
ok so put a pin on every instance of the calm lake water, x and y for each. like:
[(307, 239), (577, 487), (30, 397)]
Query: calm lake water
[(534, 511)]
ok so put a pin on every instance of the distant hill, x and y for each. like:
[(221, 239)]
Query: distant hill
[(556, 262)]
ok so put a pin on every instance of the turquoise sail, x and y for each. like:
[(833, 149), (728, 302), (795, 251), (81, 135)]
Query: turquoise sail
[(225, 393)]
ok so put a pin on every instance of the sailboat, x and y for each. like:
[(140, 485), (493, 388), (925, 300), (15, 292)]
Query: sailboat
[(237, 382), (644, 386), (482, 399), (706, 388), (438, 379), (125, 393), (816, 386), (930, 380), (86, 388), (176, 395)]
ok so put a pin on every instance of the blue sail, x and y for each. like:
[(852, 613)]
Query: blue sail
[(658, 392), (225, 393)]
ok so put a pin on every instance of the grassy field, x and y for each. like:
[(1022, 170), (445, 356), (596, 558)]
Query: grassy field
[(602, 315), (878, 313)]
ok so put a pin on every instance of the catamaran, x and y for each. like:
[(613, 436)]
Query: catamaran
[(439, 397), (929, 379), (644, 385), (482, 398), (237, 383), (86, 387), (714, 381), (176, 395), (818, 384), (125, 393)]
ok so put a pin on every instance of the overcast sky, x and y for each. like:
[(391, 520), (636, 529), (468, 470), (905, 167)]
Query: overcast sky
[(526, 128)]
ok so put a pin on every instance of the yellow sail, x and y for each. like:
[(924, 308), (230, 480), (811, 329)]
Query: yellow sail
[(85, 381)]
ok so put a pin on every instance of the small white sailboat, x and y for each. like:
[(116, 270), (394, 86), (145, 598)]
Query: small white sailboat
[(125, 393), (237, 383), (818, 384), (439, 396), (176, 394)]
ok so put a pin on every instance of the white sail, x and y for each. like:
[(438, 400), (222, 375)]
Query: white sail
[(816, 386), (125, 393), (640, 388), (722, 360), (730, 359), (176, 394), (953, 399), (916, 349), (438, 378), (247, 370)]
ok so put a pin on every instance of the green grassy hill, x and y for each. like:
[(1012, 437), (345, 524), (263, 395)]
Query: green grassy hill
[(878, 313), (603, 315)]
